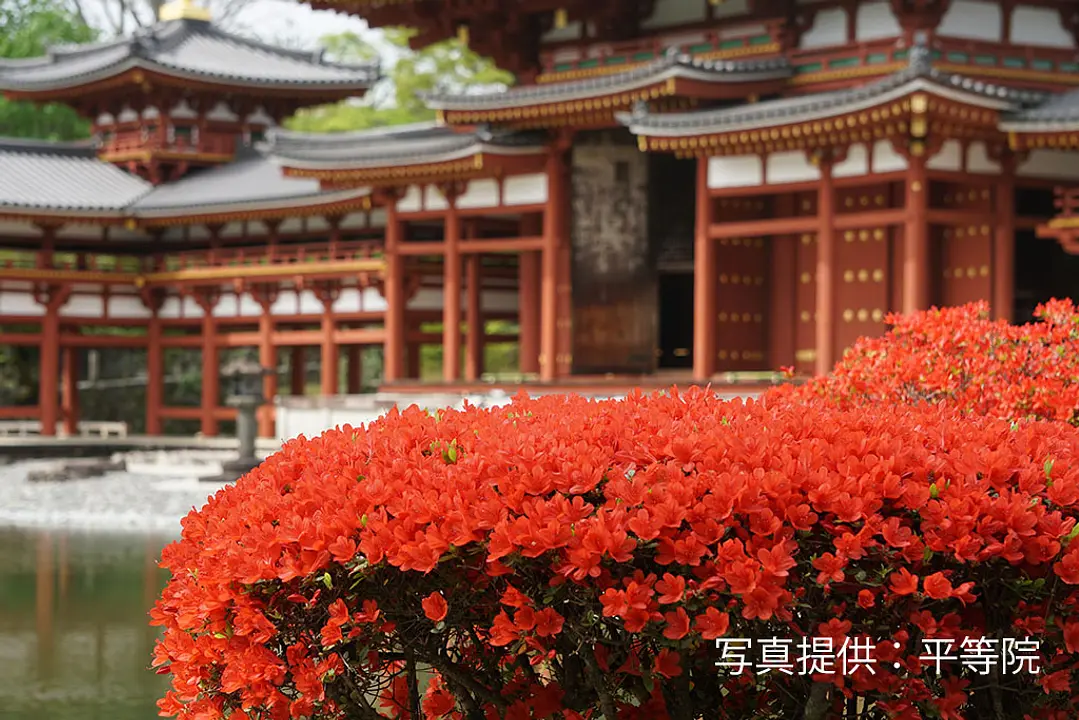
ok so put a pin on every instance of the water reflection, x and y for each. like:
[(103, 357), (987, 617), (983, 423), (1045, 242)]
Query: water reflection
[(74, 638)]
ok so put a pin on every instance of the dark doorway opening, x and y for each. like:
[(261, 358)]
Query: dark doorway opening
[(675, 320), (671, 215), (1043, 270)]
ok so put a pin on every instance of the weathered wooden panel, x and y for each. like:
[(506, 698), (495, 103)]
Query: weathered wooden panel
[(614, 280), (741, 304), (862, 292), (966, 255)]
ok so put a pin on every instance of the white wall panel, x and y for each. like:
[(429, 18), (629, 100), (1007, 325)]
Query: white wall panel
[(739, 171), (84, 306), (978, 160), (19, 304), (412, 201), (950, 157), (525, 189), (286, 303), (876, 20), (974, 20), (675, 12), (1040, 26), (1050, 164), (123, 307), (790, 167), (371, 300), (855, 164), (829, 29), (886, 159), (349, 301), (480, 194)]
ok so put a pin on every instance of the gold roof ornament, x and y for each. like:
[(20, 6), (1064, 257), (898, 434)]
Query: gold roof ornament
[(183, 10)]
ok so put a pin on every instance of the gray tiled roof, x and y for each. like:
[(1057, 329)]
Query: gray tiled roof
[(919, 73), (185, 48), (63, 176), (403, 145), (248, 179), (1059, 113), (673, 65)]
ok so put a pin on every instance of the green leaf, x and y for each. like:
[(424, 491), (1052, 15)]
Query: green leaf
[(933, 491), (327, 581)]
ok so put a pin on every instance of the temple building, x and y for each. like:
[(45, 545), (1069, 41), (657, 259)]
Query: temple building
[(674, 191)]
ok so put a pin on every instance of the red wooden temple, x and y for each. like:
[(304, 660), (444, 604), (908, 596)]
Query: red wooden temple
[(673, 191)]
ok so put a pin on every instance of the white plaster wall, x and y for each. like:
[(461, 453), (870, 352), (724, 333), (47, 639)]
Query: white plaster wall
[(412, 200), (973, 19), (290, 225), (11, 228), (308, 303), (233, 229), (433, 199), (738, 171), (950, 157), (978, 160), (572, 31), (676, 12), (123, 307), (855, 164), (85, 306), (525, 189), (479, 194), (199, 232), (377, 219), (19, 304), (738, 31), (1050, 164), (371, 300), (789, 167), (190, 308), (247, 307), (1039, 26), (731, 8), (829, 29), (351, 221), (876, 20), (491, 300), (349, 301), (317, 223), (285, 304), (886, 159), (222, 112), (171, 308), (80, 230)]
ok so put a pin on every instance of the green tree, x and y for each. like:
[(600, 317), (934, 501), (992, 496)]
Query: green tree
[(444, 67), (27, 29)]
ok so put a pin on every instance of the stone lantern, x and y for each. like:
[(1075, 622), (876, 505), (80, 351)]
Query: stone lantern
[(243, 377)]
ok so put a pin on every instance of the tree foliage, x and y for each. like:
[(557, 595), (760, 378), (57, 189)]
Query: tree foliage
[(443, 67), (27, 29)]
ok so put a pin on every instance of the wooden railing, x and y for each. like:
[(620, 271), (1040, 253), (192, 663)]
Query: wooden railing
[(24, 428), (279, 255), (617, 55)]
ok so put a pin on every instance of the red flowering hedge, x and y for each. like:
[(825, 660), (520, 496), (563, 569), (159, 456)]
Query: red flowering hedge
[(561, 558), (961, 357)]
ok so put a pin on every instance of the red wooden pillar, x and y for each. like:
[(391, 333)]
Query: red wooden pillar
[(354, 380), (329, 357), (267, 359), (474, 320), (528, 282), (394, 290), (916, 238), (70, 400), (155, 381), (298, 376), (451, 294), (1004, 241), (553, 229), (704, 281), (826, 259), (53, 298), (211, 384)]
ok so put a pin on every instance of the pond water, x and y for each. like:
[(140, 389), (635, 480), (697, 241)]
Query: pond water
[(74, 638), (78, 575)]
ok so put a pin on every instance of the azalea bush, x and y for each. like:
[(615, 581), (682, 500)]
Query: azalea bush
[(564, 558), (961, 357)]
